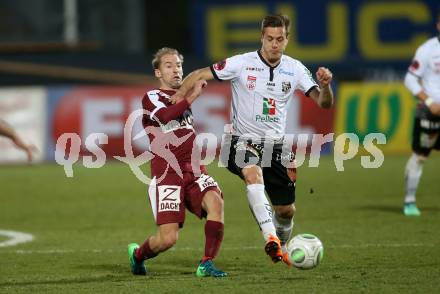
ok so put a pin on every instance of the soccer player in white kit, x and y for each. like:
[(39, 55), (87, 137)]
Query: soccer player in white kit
[(423, 80), (262, 83)]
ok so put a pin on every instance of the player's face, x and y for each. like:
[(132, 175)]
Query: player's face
[(170, 71), (274, 42)]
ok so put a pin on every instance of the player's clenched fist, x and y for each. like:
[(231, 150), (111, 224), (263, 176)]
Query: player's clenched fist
[(324, 76), (196, 91), (435, 108)]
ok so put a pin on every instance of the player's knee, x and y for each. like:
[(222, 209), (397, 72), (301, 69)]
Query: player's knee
[(252, 174), (285, 211), (416, 160), (216, 202), (213, 204), (421, 159)]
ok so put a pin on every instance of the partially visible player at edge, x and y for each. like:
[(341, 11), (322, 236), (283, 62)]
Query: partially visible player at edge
[(262, 82), (200, 194), (423, 80), (7, 131)]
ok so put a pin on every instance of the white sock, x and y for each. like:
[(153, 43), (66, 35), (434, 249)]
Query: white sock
[(413, 173), (261, 209), (284, 228)]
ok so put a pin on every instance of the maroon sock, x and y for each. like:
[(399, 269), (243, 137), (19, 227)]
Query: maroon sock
[(144, 251), (214, 237)]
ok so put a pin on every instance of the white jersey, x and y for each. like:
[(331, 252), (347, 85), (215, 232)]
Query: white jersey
[(426, 67), (260, 92)]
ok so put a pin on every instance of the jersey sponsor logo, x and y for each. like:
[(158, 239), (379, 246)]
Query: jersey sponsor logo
[(205, 181), (251, 82), (283, 72), (430, 125), (269, 106), (220, 65), (414, 65), (270, 86), (269, 110), (290, 157), (266, 118), (285, 87), (249, 68), (169, 198), (255, 149), (184, 122), (165, 95)]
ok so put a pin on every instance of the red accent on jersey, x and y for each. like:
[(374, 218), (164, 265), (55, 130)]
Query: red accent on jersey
[(272, 107), (251, 82), (414, 65), (220, 65)]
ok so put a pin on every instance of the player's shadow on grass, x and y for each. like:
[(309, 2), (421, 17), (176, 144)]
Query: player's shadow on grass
[(430, 208), (157, 269), (391, 208), (382, 207), (64, 281), (112, 268)]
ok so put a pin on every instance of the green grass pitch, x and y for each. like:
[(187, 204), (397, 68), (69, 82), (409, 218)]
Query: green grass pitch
[(82, 226)]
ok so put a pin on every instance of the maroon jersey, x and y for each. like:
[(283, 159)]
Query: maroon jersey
[(170, 130)]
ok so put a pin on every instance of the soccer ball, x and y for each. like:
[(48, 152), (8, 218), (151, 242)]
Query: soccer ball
[(305, 251)]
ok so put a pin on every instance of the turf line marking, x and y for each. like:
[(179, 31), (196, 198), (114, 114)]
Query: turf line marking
[(15, 238), (68, 251)]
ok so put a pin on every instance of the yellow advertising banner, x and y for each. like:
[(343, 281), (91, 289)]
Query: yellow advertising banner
[(365, 30), (387, 108)]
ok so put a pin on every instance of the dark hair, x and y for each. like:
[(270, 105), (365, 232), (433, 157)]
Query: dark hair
[(275, 21), (164, 51)]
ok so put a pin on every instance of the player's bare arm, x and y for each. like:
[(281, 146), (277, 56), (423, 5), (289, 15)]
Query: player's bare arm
[(433, 106), (7, 131), (414, 83), (189, 82), (324, 96)]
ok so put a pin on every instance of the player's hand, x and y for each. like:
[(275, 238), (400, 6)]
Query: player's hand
[(196, 91), (176, 98), (324, 76), (30, 149), (198, 86), (435, 108)]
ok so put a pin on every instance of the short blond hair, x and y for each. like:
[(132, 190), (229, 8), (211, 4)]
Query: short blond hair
[(164, 51)]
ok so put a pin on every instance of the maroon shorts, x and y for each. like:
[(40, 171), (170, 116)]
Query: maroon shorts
[(172, 195)]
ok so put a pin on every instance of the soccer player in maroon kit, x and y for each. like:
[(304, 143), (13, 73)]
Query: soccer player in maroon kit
[(178, 182)]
